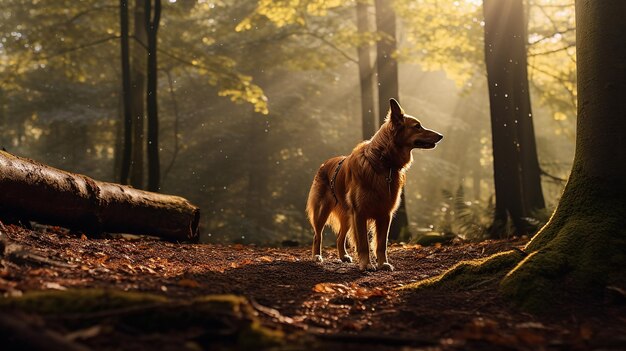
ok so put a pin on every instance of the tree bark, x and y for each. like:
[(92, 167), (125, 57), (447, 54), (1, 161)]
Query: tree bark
[(138, 79), (387, 71), (33, 191), (533, 193), (366, 74), (516, 167), (126, 95), (152, 18)]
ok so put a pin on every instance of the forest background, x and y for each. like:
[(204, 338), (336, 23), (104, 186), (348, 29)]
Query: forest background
[(255, 95)]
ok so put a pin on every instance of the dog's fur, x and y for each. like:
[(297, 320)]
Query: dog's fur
[(364, 196)]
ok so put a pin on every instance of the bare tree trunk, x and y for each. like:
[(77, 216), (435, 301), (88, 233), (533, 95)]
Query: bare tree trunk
[(365, 74), (34, 191), (138, 87), (516, 168), (387, 70), (176, 149), (533, 194), (126, 95), (152, 17), (3, 121)]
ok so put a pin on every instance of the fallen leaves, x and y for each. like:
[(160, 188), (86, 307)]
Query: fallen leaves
[(43, 272), (352, 290), (53, 286), (530, 334)]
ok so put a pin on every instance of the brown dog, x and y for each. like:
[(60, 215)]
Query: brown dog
[(362, 190)]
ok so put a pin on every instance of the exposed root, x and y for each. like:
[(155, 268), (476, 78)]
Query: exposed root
[(467, 274)]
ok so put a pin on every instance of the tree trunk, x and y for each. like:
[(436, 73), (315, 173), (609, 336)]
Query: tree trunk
[(126, 95), (138, 87), (152, 17), (387, 71), (4, 140), (516, 168), (365, 74), (33, 191), (176, 148), (259, 217), (581, 250), (533, 194)]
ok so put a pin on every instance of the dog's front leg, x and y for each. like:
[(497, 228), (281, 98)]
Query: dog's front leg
[(359, 225), (382, 233)]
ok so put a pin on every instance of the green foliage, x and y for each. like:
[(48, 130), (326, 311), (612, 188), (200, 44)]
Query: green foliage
[(449, 35), (467, 219), (445, 35)]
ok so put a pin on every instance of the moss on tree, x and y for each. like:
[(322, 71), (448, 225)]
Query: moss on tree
[(473, 273), (580, 252)]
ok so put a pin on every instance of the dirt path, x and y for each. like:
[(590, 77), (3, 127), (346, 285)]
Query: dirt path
[(332, 300)]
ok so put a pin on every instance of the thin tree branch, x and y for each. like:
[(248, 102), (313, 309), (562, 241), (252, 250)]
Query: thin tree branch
[(552, 51), (551, 36), (332, 46), (79, 47), (552, 177), (562, 80)]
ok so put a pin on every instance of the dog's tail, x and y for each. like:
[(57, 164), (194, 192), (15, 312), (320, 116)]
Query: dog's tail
[(319, 188), (321, 201)]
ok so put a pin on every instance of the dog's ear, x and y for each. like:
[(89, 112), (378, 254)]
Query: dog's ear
[(396, 113)]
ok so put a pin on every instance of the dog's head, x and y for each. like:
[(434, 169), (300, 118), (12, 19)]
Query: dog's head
[(409, 131)]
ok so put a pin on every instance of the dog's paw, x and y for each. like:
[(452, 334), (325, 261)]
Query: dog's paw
[(346, 258), (318, 258), (367, 267), (386, 267)]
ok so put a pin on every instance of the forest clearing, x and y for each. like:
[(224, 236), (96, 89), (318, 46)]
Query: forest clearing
[(303, 304)]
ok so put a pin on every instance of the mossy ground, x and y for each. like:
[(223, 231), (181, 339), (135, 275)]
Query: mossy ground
[(216, 314)]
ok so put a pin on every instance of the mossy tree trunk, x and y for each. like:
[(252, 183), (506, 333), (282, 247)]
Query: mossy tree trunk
[(583, 247)]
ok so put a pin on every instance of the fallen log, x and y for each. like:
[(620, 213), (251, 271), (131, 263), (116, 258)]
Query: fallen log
[(34, 191)]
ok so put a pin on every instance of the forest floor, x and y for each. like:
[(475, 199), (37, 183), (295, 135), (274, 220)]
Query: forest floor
[(305, 305)]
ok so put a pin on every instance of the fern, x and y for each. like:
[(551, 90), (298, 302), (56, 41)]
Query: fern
[(466, 219)]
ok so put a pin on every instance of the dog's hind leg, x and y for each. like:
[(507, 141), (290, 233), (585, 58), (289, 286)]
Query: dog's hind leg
[(382, 232), (318, 220), (341, 239), (359, 225)]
